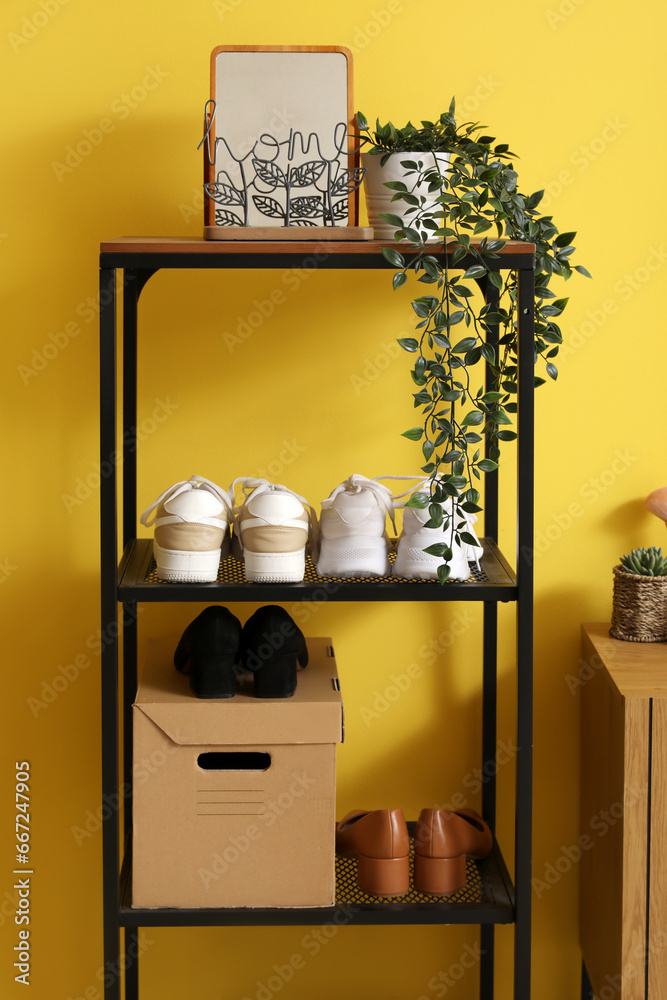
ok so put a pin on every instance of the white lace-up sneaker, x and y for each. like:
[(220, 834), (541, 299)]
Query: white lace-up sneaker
[(412, 562), (272, 527), (353, 533), (191, 521)]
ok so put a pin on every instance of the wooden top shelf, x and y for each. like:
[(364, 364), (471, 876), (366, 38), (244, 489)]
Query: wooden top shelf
[(638, 669), (189, 245)]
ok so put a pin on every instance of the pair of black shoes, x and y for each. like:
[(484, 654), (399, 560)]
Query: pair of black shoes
[(214, 649)]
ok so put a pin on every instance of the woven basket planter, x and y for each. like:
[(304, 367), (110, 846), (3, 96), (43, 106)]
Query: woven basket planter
[(639, 609)]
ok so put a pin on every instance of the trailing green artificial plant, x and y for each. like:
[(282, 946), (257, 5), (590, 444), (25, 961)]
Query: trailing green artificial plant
[(478, 194)]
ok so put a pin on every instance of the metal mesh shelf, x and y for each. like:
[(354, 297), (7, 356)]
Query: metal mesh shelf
[(138, 580), (486, 898)]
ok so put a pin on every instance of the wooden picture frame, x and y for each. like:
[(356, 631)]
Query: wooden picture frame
[(280, 159)]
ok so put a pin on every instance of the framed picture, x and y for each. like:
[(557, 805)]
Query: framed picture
[(280, 159)]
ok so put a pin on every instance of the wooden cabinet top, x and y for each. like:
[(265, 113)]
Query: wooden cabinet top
[(638, 669)]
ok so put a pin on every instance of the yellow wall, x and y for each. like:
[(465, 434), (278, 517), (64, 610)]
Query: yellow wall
[(576, 87)]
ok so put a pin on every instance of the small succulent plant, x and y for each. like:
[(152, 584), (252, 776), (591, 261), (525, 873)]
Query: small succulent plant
[(645, 562)]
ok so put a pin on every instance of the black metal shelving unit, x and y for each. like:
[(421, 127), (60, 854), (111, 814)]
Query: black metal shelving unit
[(491, 898)]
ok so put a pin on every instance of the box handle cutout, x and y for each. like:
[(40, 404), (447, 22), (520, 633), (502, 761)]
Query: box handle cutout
[(234, 760)]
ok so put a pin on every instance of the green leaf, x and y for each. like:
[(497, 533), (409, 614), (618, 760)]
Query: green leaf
[(500, 417), (414, 434), (495, 278), (443, 573), (469, 539), (393, 256), (361, 122), (552, 371), (458, 253), (428, 448), (421, 309), (409, 344), (418, 501), (473, 418), (582, 270), (399, 279), (487, 465), (464, 345), (475, 271), (437, 549), (393, 220), (436, 515), (565, 239)]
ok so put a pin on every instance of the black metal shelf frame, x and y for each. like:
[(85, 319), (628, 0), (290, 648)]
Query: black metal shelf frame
[(489, 901), (127, 585)]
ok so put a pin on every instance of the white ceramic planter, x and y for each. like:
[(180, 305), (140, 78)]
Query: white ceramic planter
[(378, 197)]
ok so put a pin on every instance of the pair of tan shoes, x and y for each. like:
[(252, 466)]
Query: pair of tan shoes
[(443, 840)]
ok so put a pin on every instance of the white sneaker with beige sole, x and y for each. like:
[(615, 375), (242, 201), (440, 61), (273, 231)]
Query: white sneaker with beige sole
[(191, 522), (272, 528)]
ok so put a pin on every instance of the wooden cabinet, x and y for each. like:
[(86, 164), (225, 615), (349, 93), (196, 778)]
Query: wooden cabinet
[(623, 838)]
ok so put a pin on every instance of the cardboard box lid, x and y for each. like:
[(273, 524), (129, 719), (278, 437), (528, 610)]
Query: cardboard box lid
[(313, 715)]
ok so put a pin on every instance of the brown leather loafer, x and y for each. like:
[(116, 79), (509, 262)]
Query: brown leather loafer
[(380, 842), (443, 840)]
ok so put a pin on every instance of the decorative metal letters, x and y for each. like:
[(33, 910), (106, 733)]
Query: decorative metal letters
[(285, 181)]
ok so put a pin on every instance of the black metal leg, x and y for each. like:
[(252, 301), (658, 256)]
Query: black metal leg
[(489, 716), (487, 945), (129, 692), (524, 758), (109, 656), (130, 299), (491, 294), (132, 971)]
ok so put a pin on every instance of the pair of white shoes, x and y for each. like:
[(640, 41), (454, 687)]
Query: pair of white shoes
[(273, 526), (354, 540)]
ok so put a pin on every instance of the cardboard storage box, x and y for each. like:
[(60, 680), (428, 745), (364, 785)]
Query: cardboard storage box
[(234, 799)]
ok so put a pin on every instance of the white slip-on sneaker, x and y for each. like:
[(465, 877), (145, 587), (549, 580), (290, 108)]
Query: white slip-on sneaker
[(272, 527), (191, 521), (413, 563), (353, 532)]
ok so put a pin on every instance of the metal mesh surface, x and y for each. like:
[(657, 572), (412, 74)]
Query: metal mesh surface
[(348, 891), (232, 571)]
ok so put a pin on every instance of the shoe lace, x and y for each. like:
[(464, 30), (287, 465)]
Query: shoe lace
[(194, 482), (357, 484), (251, 488)]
